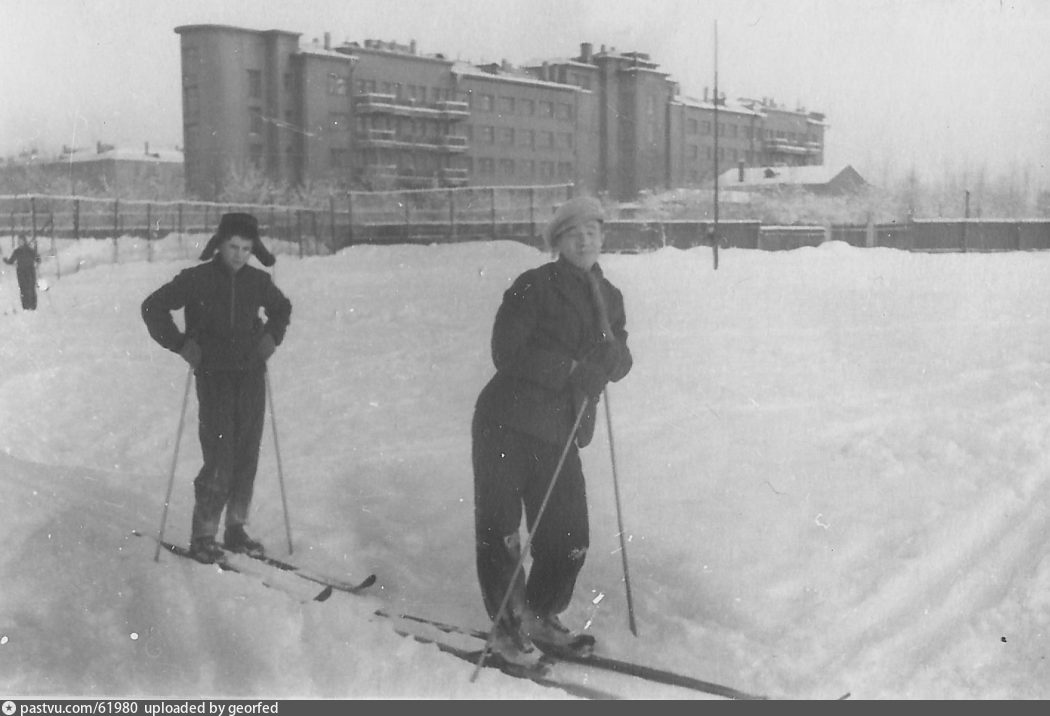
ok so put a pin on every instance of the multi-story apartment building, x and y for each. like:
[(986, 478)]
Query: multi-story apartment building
[(382, 115)]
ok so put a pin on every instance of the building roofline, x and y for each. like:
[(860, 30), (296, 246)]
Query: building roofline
[(212, 26)]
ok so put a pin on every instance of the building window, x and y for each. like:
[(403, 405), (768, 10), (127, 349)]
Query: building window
[(546, 170), (254, 84), (191, 107), (566, 140), (488, 135), (255, 120), (506, 105), (691, 126), (337, 84), (190, 61), (484, 103), (527, 168), (694, 151), (339, 158), (564, 170), (707, 126), (546, 109), (563, 111), (486, 166), (528, 107), (506, 167), (546, 140), (527, 138), (506, 136), (338, 121)]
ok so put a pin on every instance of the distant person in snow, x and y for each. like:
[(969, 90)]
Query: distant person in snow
[(559, 336), (227, 344), (26, 258)]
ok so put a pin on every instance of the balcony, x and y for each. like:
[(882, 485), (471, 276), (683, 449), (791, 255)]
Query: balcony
[(454, 144), (380, 103), (454, 176), (786, 146), (374, 103), (454, 110), (389, 139)]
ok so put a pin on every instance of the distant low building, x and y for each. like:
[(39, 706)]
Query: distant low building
[(819, 179), (111, 170)]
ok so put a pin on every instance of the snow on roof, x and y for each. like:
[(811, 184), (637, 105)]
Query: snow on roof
[(468, 70), (709, 104), (772, 176), (122, 154)]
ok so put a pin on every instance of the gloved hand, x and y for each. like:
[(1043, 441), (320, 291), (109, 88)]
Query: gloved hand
[(610, 355), (590, 378), (266, 347), (191, 353)]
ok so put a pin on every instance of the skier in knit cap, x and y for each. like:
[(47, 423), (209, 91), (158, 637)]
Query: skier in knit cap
[(559, 336), (226, 344)]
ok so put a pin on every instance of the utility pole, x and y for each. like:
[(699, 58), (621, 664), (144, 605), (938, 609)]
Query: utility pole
[(714, 231)]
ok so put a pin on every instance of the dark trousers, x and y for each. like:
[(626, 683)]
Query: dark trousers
[(27, 289), (232, 415), (512, 469)]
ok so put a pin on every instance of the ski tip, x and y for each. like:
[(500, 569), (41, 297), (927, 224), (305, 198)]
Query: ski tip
[(324, 594), (368, 582)]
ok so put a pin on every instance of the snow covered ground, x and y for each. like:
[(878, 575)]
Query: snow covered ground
[(832, 462)]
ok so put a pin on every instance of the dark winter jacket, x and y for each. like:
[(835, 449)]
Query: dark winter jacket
[(221, 313), (546, 321), (26, 258)]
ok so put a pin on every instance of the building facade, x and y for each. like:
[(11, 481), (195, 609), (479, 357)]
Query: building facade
[(380, 115)]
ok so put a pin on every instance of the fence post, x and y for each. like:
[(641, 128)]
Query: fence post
[(331, 214), (116, 227), (313, 230), (451, 215), (32, 214), (299, 230), (349, 218), (76, 219), (149, 232), (58, 264), (532, 215), (492, 205), (408, 219)]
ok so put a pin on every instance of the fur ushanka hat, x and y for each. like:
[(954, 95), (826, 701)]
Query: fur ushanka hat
[(575, 211), (244, 225)]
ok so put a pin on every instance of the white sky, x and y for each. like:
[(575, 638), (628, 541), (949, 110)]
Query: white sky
[(946, 86)]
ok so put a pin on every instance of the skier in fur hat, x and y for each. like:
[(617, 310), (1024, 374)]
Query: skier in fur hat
[(559, 336), (227, 344), (25, 258)]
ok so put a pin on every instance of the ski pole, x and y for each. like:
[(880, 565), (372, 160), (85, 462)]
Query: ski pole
[(619, 519), (528, 540), (280, 472), (603, 318), (174, 462)]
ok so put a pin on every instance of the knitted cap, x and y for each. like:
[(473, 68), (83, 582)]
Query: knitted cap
[(247, 227), (572, 213)]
